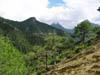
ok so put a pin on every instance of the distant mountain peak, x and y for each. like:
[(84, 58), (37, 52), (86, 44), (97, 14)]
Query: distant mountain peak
[(31, 19), (59, 26)]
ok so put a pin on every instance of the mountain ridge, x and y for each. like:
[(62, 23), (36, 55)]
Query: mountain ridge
[(33, 24)]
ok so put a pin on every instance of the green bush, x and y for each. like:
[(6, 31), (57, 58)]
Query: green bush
[(11, 60)]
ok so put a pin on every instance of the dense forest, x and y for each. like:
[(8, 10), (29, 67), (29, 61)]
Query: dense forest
[(31, 47)]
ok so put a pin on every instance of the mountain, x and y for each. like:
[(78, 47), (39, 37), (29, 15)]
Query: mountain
[(34, 26), (85, 63), (31, 25), (26, 33), (29, 47), (95, 25), (31, 40), (58, 26)]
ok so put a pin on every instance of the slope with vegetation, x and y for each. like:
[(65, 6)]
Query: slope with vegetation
[(87, 59), (84, 63), (32, 42), (11, 60), (37, 45)]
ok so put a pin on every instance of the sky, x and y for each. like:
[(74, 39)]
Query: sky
[(55, 3), (67, 12)]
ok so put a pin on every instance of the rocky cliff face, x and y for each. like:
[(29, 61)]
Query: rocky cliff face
[(84, 63)]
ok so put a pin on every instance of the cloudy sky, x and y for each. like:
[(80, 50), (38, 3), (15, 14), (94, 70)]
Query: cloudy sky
[(66, 12)]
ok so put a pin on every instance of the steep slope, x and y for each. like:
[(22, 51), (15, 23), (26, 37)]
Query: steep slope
[(84, 63)]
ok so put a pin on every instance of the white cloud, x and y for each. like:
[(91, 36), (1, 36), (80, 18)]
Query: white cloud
[(73, 12), (69, 14), (21, 9)]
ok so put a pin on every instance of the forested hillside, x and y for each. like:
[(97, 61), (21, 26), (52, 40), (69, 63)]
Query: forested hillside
[(31, 47), (11, 60)]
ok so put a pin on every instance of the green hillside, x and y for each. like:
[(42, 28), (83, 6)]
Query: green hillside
[(11, 60), (36, 46)]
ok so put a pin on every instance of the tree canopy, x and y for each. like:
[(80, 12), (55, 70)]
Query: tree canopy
[(83, 29)]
